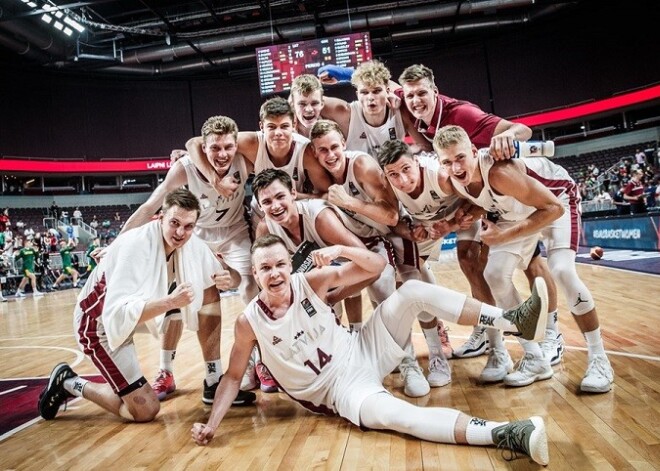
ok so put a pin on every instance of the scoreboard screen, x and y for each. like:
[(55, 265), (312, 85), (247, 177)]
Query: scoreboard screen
[(278, 65)]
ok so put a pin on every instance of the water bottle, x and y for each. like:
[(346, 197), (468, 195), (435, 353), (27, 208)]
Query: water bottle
[(534, 149)]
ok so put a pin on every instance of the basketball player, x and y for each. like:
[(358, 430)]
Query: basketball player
[(28, 254), (431, 110), (531, 196), (67, 266), (322, 366), (118, 297), (222, 223), (368, 207), (91, 261), (307, 101)]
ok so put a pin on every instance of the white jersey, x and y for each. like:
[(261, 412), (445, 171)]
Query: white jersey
[(366, 138), (218, 211), (307, 211), (306, 351), (432, 204), (358, 224), (550, 175), (294, 168)]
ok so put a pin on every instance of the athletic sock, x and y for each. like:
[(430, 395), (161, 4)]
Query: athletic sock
[(480, 431), (167, 360), (533, 348), (491, 316), (433, 342), (594, 343), (213, 371), (552, 322), (495, 339), (75, 386)]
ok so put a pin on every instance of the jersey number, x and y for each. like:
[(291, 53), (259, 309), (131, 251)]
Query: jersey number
[(220, 213), (324, 359)]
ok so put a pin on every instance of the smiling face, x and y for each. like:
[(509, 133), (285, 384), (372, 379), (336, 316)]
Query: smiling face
[(307, 107), (220, 150), (278, 203), (329, 150), (278, 131), (420, 97), (404, 174), (271, 267), (177, 225), (460, 161)]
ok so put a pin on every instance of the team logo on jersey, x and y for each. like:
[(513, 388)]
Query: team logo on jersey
[(354, 190), (392, 134), (363, 135), (237, 176), (276, 340), (298, 335), (203, 197), (434, 195), (308, 307)]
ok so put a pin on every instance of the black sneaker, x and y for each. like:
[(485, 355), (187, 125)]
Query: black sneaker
[(530, 317), (524, 436), (244, 398), (54, 394)]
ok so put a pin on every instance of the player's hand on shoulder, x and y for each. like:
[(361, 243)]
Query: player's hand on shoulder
[(331, 74), (501, 146), (182, 295), (324, 257), (201, 433), (225, 186), (177, 154)]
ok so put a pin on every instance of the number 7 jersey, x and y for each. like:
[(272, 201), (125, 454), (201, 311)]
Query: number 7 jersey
[(306, 350)]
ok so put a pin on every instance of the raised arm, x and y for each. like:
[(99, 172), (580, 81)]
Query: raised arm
[(175, 178), (501, 144), (244, 341), (338, 111)]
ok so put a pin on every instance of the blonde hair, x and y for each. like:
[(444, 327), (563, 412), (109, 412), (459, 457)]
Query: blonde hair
[(219, 125), (306, 84), (448, 136), (371, 74), (416, 72), (324, 127)]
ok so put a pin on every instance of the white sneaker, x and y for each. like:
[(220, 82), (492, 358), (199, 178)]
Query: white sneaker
[(475, 345), (599, 376), (528, 370), (250, 381), (553, 346), (3, 299), (414, 382), (37, 293), (499, 364), (20, 294), (439, 372)]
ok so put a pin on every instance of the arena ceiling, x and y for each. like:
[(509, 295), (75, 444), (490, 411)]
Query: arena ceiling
[(179, 38)]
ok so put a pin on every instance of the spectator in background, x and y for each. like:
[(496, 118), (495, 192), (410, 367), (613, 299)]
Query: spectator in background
[(55, 210), (105, 224), (94, 223), (603, 196), (640, 158), (622, 206), (117, 216), (70, 235), (633, 193), (20, 225), (29, 233), (77, 216), (4, 220)]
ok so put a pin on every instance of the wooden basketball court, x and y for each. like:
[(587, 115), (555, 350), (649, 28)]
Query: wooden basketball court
[(619, 430)]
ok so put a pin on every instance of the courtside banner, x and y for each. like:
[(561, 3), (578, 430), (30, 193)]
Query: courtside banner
[(51, 166), (449, 242), (637, 232)]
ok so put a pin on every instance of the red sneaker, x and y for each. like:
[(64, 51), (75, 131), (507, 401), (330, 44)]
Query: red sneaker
[(268, 384), (164, 384)]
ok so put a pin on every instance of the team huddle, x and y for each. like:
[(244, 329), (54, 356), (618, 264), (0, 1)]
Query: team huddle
[(340, 203)]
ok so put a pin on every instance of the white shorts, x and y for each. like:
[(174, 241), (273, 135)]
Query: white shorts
[(407, 252), (120, 368), (564, 233), (233, 243), (523, 247), (372, 358), (471, 234)]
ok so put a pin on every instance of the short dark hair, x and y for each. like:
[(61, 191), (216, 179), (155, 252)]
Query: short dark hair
[(266, 177), (182, 198), (276, 107), (268, 240), (391, 151)]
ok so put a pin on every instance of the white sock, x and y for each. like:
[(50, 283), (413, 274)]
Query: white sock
[(552, 321), (75, 386), (167, 360), (594, 343), (531, 347), (480, 431), (213, 371), (433, 341), (355, 326), (495, 339), (491, 316)]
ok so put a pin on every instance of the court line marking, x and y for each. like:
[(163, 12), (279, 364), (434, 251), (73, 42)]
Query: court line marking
[(38, 337), (30, 422), (626, 270), (79, 355), (12, 390)]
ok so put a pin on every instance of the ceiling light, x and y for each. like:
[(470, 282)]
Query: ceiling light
[(74, 24), (31, 4), (58, 25), (59, 14), (47, 7), (47, 18), (68, 31)]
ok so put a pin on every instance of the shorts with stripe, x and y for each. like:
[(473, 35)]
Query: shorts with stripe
[(233, 243)]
